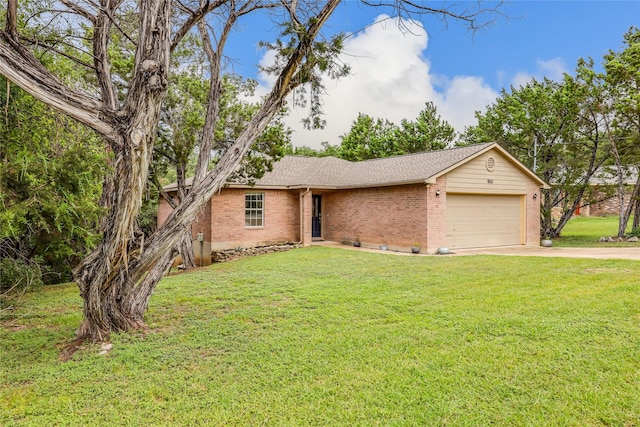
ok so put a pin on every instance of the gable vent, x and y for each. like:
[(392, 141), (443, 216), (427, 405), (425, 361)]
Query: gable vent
[(491, 164)]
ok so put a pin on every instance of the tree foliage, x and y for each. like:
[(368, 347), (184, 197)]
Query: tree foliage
[(622, 108), (371, 138), (426, 133), (51, 171), (325, 150), (568, 132), (547, 127)]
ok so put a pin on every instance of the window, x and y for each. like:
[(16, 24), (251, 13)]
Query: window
[(253, 209)]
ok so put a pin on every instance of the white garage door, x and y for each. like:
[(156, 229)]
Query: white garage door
[(475, 221)]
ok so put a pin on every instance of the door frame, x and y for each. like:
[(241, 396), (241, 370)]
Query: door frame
[(316, 221)]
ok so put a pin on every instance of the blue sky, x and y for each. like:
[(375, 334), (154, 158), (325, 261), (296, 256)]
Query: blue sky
[(396, 73)]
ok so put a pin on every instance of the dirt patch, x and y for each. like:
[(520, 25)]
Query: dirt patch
[(13, 327), (67, 350), (608, 270)]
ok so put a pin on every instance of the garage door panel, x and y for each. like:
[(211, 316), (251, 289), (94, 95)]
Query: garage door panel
[(483, 220)]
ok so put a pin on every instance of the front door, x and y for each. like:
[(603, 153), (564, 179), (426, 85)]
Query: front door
[(316, 216)]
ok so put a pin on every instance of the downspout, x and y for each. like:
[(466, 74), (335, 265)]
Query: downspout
[(301, 241), (427, 186)]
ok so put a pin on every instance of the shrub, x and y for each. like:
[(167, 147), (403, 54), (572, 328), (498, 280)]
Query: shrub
[(16, 276), (634, 233)]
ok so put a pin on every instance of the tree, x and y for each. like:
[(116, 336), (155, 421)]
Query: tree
[(181, 120), (373, 139), (50, 172), (325, 151), (622, 108), (428, 132), (369, 139), (552, 128), (116, 279)]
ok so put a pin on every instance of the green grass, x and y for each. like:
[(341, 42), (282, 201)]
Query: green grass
[(586, 231), (329, 337)]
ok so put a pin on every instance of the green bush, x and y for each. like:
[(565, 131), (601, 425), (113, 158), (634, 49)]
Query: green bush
[(16, 276), (634, 233)]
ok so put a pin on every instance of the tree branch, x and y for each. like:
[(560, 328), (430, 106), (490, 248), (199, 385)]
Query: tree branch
[(75, 8), (215, 89), (168, 235), (193, 19), (52, 48), (44, 86), (102, 26), (407, 8)]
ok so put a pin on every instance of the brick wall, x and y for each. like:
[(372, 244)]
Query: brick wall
[(164, 210), (399, 216), (386, 215), (608, 204), (532, 215), (305, 210), (436, 215), (200, 225), (281, 219)]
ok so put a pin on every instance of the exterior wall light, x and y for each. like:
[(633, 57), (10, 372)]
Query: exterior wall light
[(438, 193), (535, 196)]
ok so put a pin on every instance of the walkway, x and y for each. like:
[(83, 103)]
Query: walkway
[(596, 253)]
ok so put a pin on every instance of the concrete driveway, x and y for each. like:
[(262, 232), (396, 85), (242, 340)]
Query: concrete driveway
[(520, 250), (598, 253)]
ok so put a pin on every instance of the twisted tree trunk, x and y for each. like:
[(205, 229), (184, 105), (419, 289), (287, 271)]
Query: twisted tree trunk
[(111, 295), (116, 280), (185, 248)]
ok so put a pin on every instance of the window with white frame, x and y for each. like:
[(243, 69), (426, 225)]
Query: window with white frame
[(253, 209)]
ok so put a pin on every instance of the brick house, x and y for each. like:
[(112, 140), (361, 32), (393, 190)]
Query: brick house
[(462, 197), (603, 198)]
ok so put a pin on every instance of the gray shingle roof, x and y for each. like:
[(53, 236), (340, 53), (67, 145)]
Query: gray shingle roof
[(334, 173), (330, 172)]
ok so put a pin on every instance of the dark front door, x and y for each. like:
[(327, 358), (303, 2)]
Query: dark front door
[(316, 216)]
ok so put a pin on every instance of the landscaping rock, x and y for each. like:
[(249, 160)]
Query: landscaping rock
[(105, 348), (633, 239), (225, 255)]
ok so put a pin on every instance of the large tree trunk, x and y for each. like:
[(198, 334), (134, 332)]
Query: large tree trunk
[(113, 299), (117, 279), (187, 254), (631, 207), (185, 248)]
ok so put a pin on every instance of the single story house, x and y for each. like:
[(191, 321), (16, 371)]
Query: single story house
[(465, 197), (603, 195)]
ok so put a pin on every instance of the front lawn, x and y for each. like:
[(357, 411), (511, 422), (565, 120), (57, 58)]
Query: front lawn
[(330, 337), (586, 231)]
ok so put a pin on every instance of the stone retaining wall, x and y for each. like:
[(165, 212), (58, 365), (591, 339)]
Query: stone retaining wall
[(225, 255)]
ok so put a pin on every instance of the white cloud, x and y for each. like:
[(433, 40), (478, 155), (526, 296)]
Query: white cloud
[(390, 79), (521, 79), (552, 69), (464, 96)]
